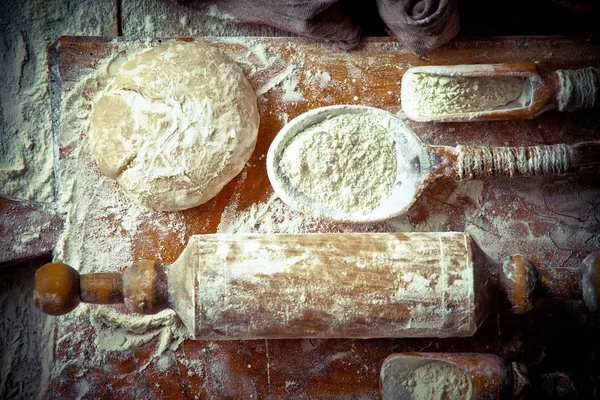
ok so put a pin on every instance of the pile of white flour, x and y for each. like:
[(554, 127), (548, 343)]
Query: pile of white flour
[(347, 162), (427, 95)]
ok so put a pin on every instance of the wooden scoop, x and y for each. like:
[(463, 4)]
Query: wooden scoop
[(418, 164), (359, 285), (413, 375), (495, 91), (471, 376)]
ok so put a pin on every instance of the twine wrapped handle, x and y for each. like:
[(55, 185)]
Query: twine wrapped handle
[(480, 162), (579, 88)]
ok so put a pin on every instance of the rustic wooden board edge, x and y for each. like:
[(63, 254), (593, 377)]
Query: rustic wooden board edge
[(27, 230)]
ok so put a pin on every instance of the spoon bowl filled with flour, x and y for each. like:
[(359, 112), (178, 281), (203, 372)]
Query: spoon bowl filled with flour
[(351, 163), (347, 163)]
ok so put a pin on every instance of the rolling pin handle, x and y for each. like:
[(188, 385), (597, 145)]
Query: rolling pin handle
[(590, 282), (145, 287), (521, 282), (58, 288)]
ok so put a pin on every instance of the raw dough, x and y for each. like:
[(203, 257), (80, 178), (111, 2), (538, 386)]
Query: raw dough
[(178, 122)]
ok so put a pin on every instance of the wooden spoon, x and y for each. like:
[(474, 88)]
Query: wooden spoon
[(418, 164), (463, 92)]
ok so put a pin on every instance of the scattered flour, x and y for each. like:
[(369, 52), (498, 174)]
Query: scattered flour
[(88, 199), (319, 78), (22, 335), (267, 69), (439, 381), (334, 161), (290, 86), (118, 332), (288, 80), (273, 216), (427, 95), (101, 226), (27, 28)]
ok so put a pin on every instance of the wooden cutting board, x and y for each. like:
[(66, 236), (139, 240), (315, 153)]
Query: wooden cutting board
[(553, 221)]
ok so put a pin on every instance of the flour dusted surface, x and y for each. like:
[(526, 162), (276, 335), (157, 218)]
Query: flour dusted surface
[(347, 162), (499, 233), (27, 28)]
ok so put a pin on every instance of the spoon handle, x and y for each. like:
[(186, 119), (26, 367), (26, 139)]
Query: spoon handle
[(481, 162)]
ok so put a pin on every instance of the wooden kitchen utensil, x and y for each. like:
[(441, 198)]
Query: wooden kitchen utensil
[(413, 375), (524, 283), (238, 286), (466, 376), (417, 164), (463, 88), (251, 286)]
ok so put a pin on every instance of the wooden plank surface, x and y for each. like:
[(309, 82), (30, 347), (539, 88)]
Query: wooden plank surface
[(554, 221)]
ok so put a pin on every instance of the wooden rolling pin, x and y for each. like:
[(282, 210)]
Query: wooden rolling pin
[(255, 286), (361, 285)]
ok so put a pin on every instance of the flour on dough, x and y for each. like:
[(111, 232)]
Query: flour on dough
[(177, 123)]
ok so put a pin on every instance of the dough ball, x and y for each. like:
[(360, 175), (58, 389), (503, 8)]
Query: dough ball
[(177, 123)]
